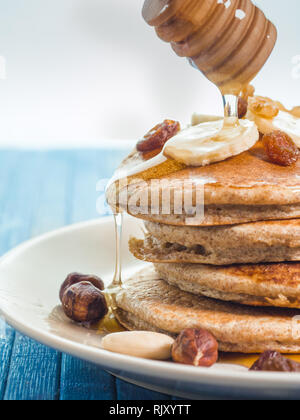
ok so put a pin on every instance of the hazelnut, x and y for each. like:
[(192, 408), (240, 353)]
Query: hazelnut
[(83, 302), (273, 361), (195, 347), (74, 278)]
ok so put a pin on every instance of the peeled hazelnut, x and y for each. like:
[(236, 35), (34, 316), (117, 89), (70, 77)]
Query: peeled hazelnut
[(195, 347), (74, 278), (83, 302)]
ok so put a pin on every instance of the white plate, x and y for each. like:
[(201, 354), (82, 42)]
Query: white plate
[(30, 277)]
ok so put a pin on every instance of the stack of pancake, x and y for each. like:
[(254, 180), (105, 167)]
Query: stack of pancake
[(234, 273)]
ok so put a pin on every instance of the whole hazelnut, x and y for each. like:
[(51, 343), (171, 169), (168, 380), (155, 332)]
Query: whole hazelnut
[(273, 361), (74, 278), (83, 302), (195, 347)]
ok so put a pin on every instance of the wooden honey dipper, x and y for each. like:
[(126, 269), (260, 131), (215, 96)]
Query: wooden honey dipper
[(228, 40)]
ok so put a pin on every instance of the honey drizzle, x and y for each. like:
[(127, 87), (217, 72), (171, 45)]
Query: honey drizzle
[(231, 116), (117, 281), (116, 284), (110, 323)]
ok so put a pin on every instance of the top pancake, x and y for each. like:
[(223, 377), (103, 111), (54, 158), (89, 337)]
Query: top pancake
[(248, 179)]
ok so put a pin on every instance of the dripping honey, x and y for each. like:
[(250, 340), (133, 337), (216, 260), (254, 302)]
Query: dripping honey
[(108, 325)]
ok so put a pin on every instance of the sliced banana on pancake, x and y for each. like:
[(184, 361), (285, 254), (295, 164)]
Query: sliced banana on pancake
[(209, 142), (203, 118), (284, 121)]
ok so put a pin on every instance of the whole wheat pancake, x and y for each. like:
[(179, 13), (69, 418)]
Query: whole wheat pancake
[(240, 189), (148, 303), (271, 241), (275, 284)]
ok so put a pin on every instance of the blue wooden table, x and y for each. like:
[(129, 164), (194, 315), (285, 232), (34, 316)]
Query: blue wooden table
[(41, 191)]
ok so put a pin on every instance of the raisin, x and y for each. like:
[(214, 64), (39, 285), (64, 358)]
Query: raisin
[(280, 148), (242, 107), (150, 154), (263, 107), (158, 136), (273, 361)]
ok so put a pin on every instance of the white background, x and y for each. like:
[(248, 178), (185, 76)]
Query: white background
[(80, 72)]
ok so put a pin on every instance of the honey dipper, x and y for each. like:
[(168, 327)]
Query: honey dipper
[(228, 40)]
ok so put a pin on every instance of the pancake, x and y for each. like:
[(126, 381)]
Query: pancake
[(275, 284), (271, 241), (147, 303), (241, 189)]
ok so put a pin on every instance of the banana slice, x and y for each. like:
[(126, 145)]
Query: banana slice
[(284, 121), (202, 118), (209, 142)]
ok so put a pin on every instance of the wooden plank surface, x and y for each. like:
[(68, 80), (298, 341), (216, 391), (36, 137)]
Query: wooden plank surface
[(42, 191)]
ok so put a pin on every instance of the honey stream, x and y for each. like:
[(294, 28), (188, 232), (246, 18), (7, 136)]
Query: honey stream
[(110, 323)]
